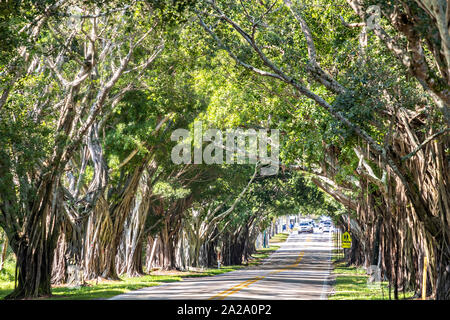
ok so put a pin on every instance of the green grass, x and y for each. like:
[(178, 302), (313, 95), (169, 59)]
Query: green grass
[(280, 237), (351, 284), (108, 289), (7, 276)]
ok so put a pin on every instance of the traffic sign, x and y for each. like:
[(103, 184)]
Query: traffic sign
[(346, 240)]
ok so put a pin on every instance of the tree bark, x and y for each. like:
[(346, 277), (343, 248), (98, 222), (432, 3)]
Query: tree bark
[(3, 254)]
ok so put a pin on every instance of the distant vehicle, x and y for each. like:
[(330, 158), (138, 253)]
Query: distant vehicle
[(305, 227), (326, 226)]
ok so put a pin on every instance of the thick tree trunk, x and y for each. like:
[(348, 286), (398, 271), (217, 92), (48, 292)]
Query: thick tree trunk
[(34, 265), (34, 248), (34, 253), (443, 277), (59, 268), (167, 252), (130, 250)]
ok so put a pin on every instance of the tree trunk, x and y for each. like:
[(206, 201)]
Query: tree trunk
[(34, 262), (3, 254), (34, 271), (167, 254), (151, 249), (130, 249), (443, 277)]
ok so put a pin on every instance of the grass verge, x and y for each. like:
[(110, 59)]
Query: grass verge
[(351, 283), (279, 237)]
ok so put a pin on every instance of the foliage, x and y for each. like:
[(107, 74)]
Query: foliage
[(92, 90)]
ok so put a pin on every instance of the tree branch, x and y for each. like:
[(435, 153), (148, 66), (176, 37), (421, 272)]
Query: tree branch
[(427, 140)]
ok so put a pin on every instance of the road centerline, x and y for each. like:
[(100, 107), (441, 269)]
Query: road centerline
[(222, 295)]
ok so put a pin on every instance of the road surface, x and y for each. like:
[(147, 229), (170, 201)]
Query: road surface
[(300, 269)]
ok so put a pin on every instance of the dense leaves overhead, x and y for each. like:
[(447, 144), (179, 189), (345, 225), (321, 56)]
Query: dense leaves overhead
[(91, 91)]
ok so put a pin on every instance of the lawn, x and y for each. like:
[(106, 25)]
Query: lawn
[(7, 276), (351, 284), (279, 237), (108, 288)]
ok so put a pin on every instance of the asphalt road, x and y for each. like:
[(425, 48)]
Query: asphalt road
[(300, 269)]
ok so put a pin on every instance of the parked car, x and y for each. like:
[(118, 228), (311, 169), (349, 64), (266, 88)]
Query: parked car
[(305, 227)]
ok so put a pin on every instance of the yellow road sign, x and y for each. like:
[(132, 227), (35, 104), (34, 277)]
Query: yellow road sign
[(346, 240)]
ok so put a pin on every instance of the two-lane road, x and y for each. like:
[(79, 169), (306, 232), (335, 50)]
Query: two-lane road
[(298, 270)]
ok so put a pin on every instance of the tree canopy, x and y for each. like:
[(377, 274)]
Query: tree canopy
[(91, 91)]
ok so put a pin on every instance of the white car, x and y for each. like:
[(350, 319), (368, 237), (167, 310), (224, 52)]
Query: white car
[(305, 227), (326, 226)]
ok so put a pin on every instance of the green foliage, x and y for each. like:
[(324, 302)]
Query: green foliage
[(193, 79), (168, 191), (351, 284)]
